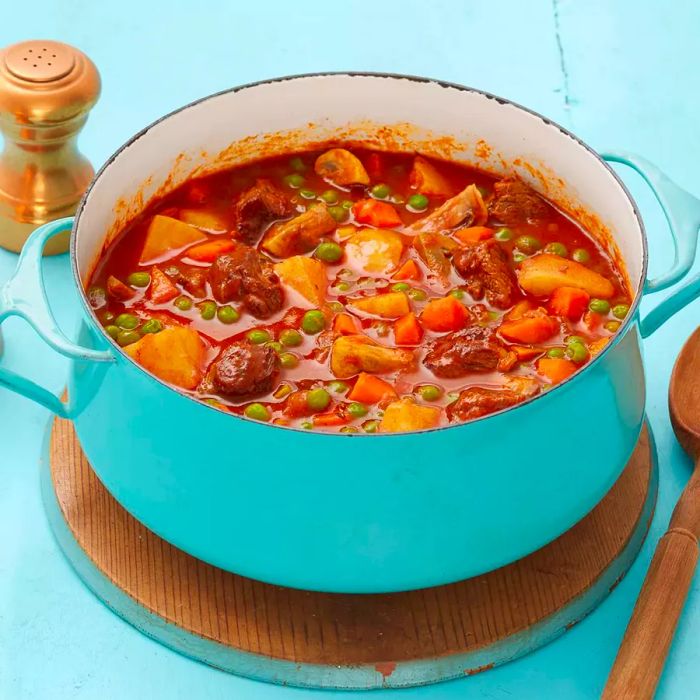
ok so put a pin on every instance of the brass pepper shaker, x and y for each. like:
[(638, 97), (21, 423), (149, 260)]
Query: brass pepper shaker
[(46, 92)]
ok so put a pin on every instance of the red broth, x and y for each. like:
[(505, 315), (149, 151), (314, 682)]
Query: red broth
[(484, 311)]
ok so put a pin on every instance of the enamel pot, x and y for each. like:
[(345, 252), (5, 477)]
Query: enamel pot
[(343, 512)]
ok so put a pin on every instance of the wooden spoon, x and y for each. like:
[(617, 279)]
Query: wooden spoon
[(642, 655)]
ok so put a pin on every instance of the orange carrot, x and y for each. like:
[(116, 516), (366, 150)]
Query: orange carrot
[(473, 234), (161, 289), (408, 271), (376, 213), (118, 290), (525, 353), (592, 320), (345, 324), (407, 330), (209, 251), (569, 302), (370, 389), (533, 327), (446, 314), (519, 310), (329, 419), (555, 369)]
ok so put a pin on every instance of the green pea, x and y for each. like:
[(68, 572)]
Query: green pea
[(429, 392), (275, 345), (318, 399), (97, 297), (577, 352), (348, 429), (518, 257), (307, 425), (139, 279), (329, 252), (183, 303), (207, 310), (313, 322), (128, 337), (340, 214), (556, 353), (347, 204), (620, 310), (336, 307), (599, 306), (581, 255), (126, 321), (290, 338), (257, 411), (418, 202), (258, 336), (503, 234), (612, 326), (370, 426), (417, 294), (575, 339), (357, 410), (329, 196), (153, 325), (295, 180), (557, 249), (343, 286), (307, 194), (457, 293), (227, 314), (112, 331), (380, 191), (400, 287), (289, 360), (338, 387), (528, 244), (297, 164)]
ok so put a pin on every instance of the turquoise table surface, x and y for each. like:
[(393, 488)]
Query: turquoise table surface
[(620, 74)]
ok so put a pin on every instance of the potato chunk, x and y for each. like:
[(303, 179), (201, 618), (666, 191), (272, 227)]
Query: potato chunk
[(427, 179), (341, 167), (405, 415), (306, 276), (300, 234), (544, 273), (374, 250), (201, 218), (351, 354), (166, 234), (176, 355), (389, 305)]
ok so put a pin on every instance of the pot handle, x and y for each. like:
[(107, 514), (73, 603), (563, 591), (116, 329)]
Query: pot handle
[(24, 295), (682, 212)]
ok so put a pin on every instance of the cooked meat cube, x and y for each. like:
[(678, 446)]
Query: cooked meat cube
[(484, 267), (244, 369), (515, 203), (245, 275), (475, 349), (466, 208), (476, 402), (192, 279), (257, 207)]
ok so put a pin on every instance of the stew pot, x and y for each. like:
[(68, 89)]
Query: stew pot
[(343, 512)]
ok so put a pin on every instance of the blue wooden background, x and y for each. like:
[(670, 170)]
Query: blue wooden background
[(620, 74)]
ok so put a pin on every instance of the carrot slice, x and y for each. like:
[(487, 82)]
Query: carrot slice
[(446, 314), (533, 327), (329, 419), (376, 213), (408, 271), (592, 320), (525, 353), (569, 302), (370, 389), (407, 330), (556, 369), (161, 288), (519, 310), (209, 251), (473, 234), (118, 290), (345, 324)]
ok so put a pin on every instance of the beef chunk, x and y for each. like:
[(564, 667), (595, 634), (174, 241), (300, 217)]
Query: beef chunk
[(484, 267), (476, 402), (244, 369), (475, 349), (515, 203), (258, 206), (246, 275), (192, 279)]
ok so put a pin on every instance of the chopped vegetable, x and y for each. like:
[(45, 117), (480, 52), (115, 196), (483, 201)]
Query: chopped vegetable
[(258, 336), (370, 390), (128, 337), (339, 214), (330, 196), (466, 208), (426, 179), (544, 273), (592, 321), (405, 415), (183, 303), (374, 251), (139, 279), (581, 255), (407, 330), (165, 234), (351, 354), (329, 420), (162, 289), (300, 234), (207, 310), (345, 324), (306, 276), (380, 191), (341, 167), (555, 369), (389, 305), (532, 327), (357, 409), (418, 202), (289, 360), (294, 180), (503, 234), (207, 220), (408, 271), (429, 392), (597, 345), (432, 249), (620, 310), (127, 321), (612, 326), (227, 314), (569, 302), (318, 399), (525, 353), (313, 322), (210, 251), (118, 290), (473, 234), (153, 325), (257, 411), (329, 252), (527, 244), (290, 338), (576, 351), (599, 306), (376, 213), (445, 314), (556, 249)]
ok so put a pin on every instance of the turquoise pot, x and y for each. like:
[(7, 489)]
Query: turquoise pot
[(340, 512)]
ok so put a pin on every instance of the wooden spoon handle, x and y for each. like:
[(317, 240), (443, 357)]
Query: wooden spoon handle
[(642, 655)]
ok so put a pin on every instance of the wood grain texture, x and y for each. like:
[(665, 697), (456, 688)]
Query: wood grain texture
[(332, 629)]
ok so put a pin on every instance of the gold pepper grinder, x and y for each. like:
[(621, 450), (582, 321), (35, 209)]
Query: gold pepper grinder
[(46, 92)]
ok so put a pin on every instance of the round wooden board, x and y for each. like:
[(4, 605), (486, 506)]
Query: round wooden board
[(321, 640)]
